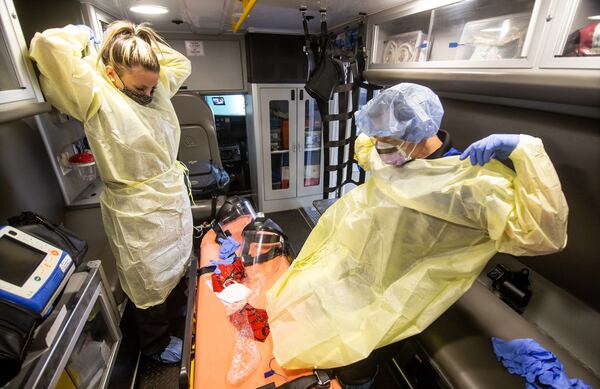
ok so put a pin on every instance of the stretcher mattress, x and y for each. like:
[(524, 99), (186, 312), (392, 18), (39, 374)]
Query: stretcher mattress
[(215, 335)]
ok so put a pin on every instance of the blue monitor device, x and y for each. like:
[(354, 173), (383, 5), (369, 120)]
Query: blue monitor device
[(32, 271)]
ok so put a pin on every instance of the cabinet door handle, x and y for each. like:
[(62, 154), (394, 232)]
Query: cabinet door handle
[(301, 94), (293, 94), (294, 148)]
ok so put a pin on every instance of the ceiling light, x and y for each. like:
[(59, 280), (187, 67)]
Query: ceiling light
[(595, 17), (149, 9)]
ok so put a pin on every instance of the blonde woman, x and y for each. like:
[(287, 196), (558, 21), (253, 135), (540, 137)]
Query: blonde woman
[(122, 97)]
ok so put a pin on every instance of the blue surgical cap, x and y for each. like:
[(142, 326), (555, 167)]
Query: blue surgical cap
[(407, 112)]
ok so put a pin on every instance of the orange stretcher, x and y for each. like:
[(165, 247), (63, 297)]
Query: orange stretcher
[(215, 335)]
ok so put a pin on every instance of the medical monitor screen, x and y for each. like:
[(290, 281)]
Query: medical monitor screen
[(218, 100), (228, 105), (18, 261)]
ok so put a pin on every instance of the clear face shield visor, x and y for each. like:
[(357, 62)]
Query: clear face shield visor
[(261, 246), (262, 240), (396, 154), (235, 210)]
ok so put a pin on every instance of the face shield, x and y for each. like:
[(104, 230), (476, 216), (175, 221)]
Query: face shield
[(235, 210), (262, 240), (395, 154)]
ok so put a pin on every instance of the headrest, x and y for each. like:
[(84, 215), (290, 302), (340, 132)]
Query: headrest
[(192, 109)]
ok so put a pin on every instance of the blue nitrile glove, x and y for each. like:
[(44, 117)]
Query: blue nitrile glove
[(537, 365), (225, 261), (92, 36), (171, 354), (228, 247), (497, 146)]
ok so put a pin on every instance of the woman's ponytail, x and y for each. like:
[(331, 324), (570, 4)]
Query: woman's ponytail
[(127, 45)]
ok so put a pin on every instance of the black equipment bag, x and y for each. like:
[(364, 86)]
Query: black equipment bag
[(206, 179), (56, 235), (325, 73), (17, 323), (324, 80)]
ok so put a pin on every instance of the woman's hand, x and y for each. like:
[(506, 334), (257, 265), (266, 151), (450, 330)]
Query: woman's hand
[(498, 146)]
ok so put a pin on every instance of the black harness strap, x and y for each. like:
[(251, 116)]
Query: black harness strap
[(348, 93), (337, 116), (338, 168), (338, 143), (344, 87)]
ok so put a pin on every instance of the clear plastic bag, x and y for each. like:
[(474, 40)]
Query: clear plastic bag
[(262, 242), (246, 356)]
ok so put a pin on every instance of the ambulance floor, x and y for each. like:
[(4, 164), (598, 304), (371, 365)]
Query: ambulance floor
[(134, 371), (294, 225)]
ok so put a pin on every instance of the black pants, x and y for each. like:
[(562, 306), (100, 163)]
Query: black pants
[(154, 323)]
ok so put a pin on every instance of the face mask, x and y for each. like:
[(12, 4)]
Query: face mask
[(139, 98)]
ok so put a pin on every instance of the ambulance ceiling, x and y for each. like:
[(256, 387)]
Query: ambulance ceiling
[(214, 16)]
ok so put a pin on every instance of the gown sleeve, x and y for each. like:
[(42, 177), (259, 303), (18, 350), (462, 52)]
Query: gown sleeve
[(537, 223), (68, 79), (175, 68)]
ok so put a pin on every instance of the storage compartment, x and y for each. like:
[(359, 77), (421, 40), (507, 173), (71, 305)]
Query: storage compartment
[(276, 58), (216, 64)]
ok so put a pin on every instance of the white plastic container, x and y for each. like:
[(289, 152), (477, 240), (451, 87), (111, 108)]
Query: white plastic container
[(84, 165)]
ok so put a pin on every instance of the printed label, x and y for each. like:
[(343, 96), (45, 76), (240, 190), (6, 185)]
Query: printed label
[(66, 262), (194, 48)]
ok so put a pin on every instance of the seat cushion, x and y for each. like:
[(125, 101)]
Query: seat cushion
[(459, 342), (202, 210)]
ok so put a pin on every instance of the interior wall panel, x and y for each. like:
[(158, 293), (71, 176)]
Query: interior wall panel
[(573, 144)]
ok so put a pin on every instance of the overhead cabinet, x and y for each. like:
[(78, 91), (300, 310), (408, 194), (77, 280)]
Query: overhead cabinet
[(16, 72), (486, 34), (574, 42), (216, 63)]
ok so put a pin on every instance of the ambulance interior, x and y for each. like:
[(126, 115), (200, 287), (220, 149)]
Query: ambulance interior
[(245, 111)]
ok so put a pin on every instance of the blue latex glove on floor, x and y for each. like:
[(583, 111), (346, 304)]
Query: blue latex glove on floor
[(537, 365), (498, 146), (228, 247), (171, 354)]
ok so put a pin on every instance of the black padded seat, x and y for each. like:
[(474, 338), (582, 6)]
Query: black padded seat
[(198, 143), (459, 343)]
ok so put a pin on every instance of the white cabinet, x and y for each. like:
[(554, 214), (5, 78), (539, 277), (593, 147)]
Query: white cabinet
[(574, 39), (458, 34), (288, 146), (16, 73)]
